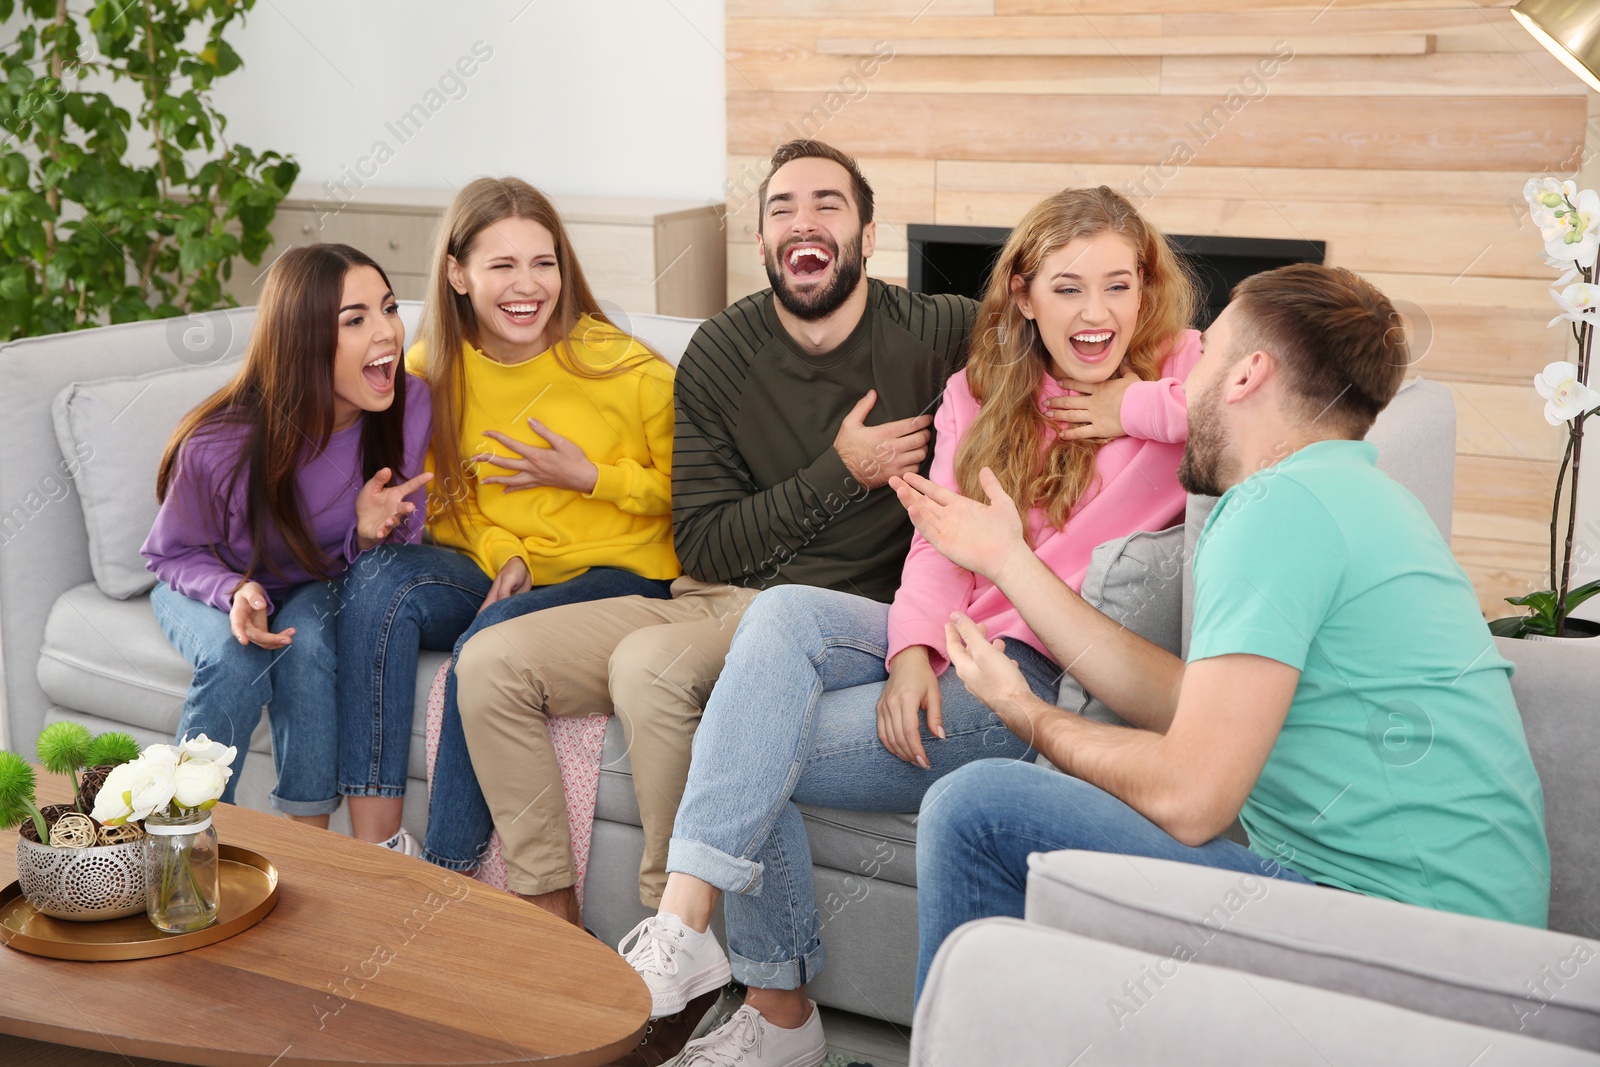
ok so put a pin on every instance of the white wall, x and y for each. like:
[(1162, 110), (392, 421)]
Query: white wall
[(580, 97)]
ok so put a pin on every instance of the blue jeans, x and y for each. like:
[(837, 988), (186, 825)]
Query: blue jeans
[(411, 597), (793, 720), (232, 682), (978, 827)]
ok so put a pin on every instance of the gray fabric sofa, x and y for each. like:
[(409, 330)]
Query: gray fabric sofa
[(1012, 992), (78, 639)]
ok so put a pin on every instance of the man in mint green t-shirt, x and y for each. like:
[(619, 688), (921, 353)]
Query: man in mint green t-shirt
[(1342, 696)]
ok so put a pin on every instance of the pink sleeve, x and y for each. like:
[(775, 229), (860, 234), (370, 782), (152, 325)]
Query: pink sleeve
[(931, 587), (1159, 410)]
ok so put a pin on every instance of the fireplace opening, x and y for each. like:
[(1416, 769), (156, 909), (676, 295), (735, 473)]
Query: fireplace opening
[(958, 259)]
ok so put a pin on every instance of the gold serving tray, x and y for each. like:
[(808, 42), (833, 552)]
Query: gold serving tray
[(249, 891)]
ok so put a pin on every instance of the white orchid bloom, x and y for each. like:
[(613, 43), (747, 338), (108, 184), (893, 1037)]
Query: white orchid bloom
[(1579, 301), (1544, 195), (203, 748), (133, 790), (199, 783), (1565, 397), (1575, 235)]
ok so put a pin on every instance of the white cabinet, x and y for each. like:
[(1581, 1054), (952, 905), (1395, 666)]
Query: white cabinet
[(665, 257)]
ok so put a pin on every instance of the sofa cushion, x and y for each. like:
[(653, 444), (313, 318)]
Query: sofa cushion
[(1006, 992), (118, 428), (1136, 580), (108, 658), (1555, 689), (1497, 974)]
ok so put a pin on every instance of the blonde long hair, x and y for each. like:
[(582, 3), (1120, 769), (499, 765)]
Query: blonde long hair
[(448, 321), (1008, 359)]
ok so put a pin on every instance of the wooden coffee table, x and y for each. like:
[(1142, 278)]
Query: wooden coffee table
[(369, 957)]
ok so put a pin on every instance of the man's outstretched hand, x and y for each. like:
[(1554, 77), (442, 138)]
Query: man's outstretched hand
[(983, 538)]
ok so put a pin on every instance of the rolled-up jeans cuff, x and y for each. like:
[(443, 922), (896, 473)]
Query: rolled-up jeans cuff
[(390, 791), (713, 866), (304, 807), (787, 974)]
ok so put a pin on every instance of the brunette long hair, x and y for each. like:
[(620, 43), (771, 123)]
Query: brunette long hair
[(283, 395), (1008, 359), (448, 321)]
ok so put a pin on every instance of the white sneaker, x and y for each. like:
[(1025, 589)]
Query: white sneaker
[(749, 1040), (404, 844), (677, 963)]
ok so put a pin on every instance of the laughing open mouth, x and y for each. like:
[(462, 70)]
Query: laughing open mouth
[(806, 260), (523, 312), (380, 372), (1092, 343)]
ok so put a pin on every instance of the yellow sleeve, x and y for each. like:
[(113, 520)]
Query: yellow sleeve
[(636, 489)]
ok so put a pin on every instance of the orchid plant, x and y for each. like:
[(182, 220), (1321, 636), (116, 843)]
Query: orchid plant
[(1569, 221)]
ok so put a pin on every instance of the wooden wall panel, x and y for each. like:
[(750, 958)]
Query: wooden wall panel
[(1429, 133), (1407, 156)]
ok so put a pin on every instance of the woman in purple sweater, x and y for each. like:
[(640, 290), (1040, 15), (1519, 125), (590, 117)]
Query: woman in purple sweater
[(272, 488)]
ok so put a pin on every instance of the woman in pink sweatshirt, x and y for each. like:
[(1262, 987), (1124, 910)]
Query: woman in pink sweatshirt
[(1073, 397)]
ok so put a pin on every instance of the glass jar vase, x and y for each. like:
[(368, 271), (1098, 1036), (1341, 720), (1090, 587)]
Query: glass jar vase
[(180, 870)]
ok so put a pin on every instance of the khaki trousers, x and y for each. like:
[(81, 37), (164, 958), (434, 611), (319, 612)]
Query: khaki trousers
[(652, 662)]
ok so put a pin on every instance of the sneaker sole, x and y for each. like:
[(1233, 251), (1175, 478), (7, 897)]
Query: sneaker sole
[(715, 978)]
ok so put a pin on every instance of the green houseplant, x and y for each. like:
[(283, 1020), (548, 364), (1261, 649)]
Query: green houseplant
[(69, 865), (89, 236)]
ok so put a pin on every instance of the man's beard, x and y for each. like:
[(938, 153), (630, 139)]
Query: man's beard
[(820, 303), (1205, 457)]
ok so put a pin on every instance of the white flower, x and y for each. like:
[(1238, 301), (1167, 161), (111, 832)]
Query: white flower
[(1575, 235), (203, 748), (199, 783), (163, 754), (133, 790), (1566, 397), (1579, 302), (1544, 195)]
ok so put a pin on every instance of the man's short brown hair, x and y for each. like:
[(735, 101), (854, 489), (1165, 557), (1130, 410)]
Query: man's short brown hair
[(808, 149), (1338, 339)]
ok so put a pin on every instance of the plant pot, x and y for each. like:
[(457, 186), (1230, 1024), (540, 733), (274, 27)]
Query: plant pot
[(1572, 630), (82, 884)]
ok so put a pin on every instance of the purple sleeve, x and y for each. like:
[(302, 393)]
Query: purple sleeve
[(195, 522)]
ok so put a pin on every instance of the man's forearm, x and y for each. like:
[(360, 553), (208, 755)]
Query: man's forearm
[(1133, 677), (1128, 764)]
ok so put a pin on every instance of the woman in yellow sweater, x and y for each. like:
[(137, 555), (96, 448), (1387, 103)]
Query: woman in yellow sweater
[(551, 453)]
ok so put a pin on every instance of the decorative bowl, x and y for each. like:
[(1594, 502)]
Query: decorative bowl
[(83, 884)]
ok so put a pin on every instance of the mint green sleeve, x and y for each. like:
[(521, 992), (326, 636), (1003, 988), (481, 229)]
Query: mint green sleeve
[(1267, 572)]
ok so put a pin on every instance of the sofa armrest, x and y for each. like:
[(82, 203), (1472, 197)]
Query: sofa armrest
[(1495, 974), (1008, 992)]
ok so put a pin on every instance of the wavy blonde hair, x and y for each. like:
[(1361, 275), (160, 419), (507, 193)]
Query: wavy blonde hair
[(1008, 359), (448, 321)]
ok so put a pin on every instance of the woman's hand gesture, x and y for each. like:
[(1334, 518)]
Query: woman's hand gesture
[(512, 579), (1094, 414), (380, 507), (247, 618), (560, 464), (912, 686)]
